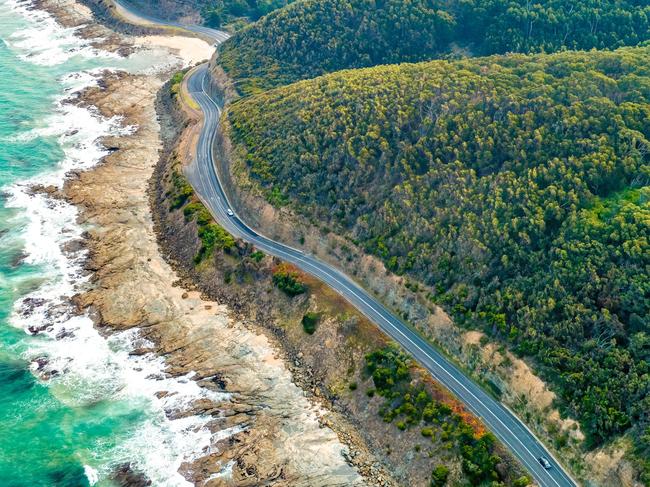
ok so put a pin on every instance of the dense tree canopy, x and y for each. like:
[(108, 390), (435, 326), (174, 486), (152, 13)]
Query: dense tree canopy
[(312, 37), (217, 13), (515, 186)]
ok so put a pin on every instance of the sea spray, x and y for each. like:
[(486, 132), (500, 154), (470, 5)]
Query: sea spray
[(75, 404)]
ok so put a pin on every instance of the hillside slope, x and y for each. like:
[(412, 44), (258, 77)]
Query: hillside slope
[(229, 14), (237, 13), (312, 37), (515, 186)]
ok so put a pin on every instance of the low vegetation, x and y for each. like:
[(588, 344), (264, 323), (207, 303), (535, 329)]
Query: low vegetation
[(211, 234), (439, 476), (288, 281), (515, 187), (257, 256), (409, 403), (180, 191), (337, 351), (175, 83), (313, 37)]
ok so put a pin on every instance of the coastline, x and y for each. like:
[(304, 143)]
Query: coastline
[(251, 408)]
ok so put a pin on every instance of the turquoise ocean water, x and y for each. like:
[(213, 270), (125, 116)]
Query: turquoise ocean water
[(73, 404)]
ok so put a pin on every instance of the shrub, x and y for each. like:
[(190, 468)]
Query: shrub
[(439, 476), (288, 282), (181, 191), (175, 83), (412, 404), (521, 482), (310, 321), (191, 209), (257, 256), (213, 236)]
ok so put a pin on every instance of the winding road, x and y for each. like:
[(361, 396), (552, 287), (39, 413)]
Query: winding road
[(499, 419), (131, 13), (204, 177)]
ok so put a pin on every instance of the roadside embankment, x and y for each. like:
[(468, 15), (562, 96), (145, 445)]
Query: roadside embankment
[(504, 374), (324, 340)]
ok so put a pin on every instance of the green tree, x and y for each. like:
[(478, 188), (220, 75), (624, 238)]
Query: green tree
[(439, 476)]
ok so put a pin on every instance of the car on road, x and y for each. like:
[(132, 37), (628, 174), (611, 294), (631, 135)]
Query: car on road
[(230, 213), (544, 462)]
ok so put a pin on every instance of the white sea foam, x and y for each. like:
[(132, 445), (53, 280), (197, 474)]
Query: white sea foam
[(224, 473), (78, 130), (45, 42), (91, 474), (82, 367)]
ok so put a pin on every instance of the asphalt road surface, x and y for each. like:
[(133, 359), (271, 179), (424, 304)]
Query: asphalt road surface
[(204, 177), (217, 36), (504, 424)]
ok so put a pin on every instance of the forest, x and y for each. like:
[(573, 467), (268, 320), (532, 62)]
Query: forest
[(313, 37), (516, 187), (237, 13)]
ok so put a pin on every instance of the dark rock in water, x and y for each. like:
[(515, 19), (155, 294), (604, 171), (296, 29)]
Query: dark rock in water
[(41, 368), (73, 246), (50, 190), (36, 329), (47, 375), (142, 351), (18, 259), (29, 304), (125, 476), (41, 362), (63, 333), (54, 313)]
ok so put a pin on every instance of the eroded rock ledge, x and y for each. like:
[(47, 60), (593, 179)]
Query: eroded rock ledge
[(270, 432)]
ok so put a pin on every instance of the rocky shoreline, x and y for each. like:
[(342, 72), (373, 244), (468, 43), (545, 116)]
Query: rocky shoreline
[(267, 431), (252, 304)]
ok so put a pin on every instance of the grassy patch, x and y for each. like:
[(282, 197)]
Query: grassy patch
[(176, 89), (175, 83), (257, 256), (211, 234)]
